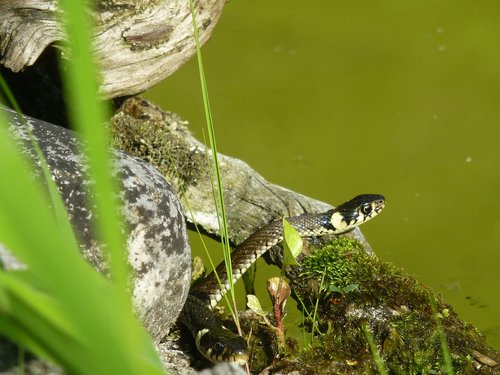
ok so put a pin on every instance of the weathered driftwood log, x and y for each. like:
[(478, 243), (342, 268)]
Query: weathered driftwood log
[(136, 43), (162, 139)]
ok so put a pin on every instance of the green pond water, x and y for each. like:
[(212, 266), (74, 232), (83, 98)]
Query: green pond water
[(335, 98)]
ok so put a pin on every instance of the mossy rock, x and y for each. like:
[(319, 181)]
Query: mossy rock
[(357, 297)]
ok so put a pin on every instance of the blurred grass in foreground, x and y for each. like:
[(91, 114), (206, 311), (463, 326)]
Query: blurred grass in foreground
[(60, 308)]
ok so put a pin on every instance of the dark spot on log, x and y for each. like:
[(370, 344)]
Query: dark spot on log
[(207, 23), (141, 39)]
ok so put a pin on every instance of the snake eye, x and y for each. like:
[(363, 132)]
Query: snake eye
[(366, 209), (219, 347)]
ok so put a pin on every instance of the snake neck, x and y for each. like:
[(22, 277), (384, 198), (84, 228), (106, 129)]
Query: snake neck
[(219, 344), (211, 289)]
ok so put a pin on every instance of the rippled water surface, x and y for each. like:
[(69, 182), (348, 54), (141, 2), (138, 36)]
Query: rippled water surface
[(336, 98)]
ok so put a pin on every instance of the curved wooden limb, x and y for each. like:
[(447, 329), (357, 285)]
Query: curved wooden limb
[(163, 139), (137, 43)]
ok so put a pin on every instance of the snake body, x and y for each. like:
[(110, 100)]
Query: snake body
[(218, 343)]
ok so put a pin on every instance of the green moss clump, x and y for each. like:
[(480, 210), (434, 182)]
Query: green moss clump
[(394, 306), (141, 129), (335, 264)]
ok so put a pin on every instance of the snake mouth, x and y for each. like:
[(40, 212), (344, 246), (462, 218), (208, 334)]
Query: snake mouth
[(356, 211), (218, 344), (239, 358)]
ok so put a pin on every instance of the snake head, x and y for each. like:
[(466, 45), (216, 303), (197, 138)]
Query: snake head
[(357, 211), (222, 345)]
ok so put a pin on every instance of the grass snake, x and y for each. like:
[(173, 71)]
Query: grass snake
[(216, 342)]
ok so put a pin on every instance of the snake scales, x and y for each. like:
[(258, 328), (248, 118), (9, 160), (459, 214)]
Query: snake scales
[(216, 342)]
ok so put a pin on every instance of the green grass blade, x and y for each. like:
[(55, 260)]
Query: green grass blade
[(45, 305), (219, 193), (84, 296), (60, 307), (57, 204), (374, 351), (89, 116), (315, 325), (448, 365), (230, 301), (221, 212)]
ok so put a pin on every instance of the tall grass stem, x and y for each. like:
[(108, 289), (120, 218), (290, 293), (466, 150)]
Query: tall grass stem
[(218, 190)]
